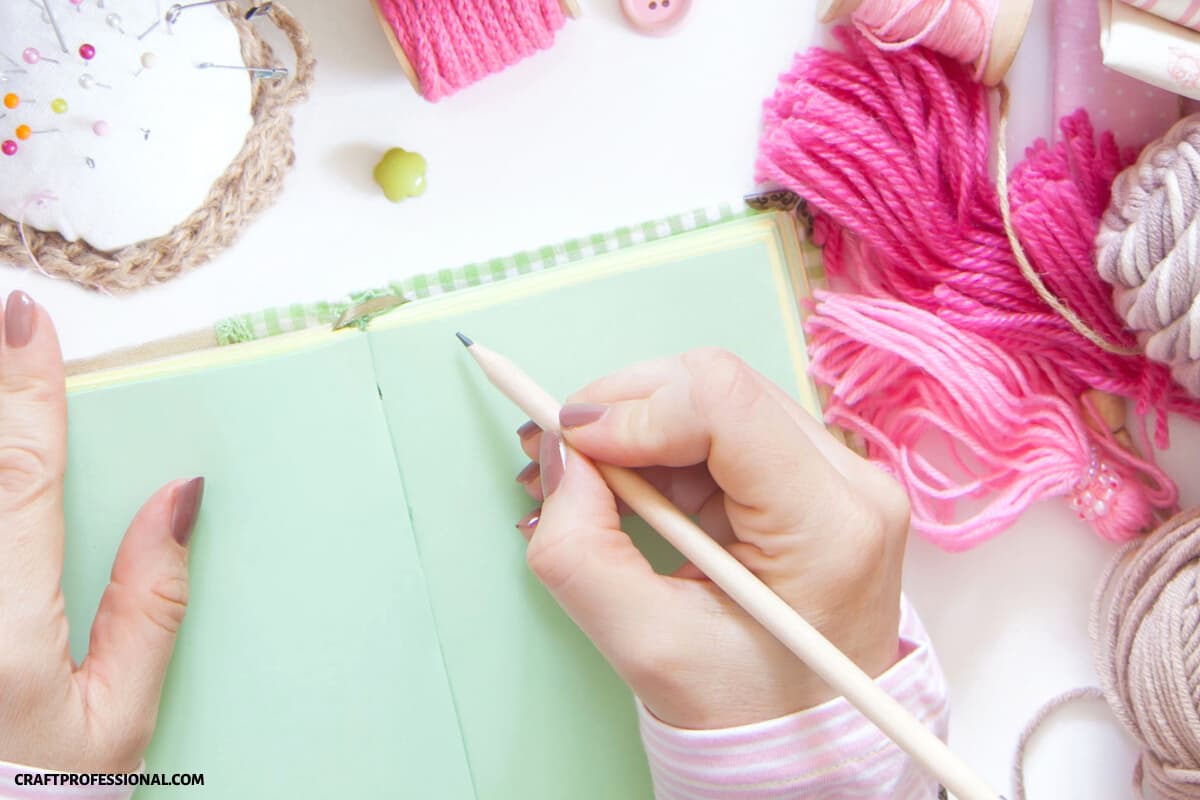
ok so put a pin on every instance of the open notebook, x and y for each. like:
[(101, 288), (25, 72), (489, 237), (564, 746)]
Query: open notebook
[(362, 621)]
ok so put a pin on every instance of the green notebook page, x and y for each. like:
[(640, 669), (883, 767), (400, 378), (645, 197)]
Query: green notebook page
[(542, 715), (308, 666), (362, 623)]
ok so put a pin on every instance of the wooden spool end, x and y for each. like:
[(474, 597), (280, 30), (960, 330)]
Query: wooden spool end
[(570, 8), (832, 10), (1113, 410), (397, 48), (1012, 20)]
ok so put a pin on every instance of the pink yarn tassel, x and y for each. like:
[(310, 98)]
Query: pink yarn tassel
[(959, 421), (947, 340)]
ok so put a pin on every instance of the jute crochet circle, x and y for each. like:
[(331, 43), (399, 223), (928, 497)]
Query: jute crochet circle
[(248, 186)]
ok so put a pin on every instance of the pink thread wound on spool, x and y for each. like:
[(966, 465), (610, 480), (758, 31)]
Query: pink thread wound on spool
[(453, 45), (891, 150), (961, 29)]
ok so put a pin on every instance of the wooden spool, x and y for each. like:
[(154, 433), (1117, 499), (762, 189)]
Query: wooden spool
[(570, 8), (1113, 410), (1012, 19)]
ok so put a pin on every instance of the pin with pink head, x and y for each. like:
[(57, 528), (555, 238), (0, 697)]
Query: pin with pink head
[(31, 56)]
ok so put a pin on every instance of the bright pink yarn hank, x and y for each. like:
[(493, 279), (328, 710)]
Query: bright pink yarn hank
[(950, 342), (961, 29), (892, 150), (454, 44)]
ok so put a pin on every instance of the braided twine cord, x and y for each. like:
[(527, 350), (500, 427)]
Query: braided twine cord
[(247, 187)]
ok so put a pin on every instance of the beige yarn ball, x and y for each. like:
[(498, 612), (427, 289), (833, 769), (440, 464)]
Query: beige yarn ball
[(1148, 247), (1146, 628)]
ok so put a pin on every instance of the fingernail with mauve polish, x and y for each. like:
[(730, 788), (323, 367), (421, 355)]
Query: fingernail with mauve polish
[(186, 509), (529, 473), (528, 430), (576, 415), (553, 459), (20, 316), (529, 521)]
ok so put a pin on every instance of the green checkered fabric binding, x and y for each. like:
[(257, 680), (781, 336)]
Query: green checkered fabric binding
[(275, 321)]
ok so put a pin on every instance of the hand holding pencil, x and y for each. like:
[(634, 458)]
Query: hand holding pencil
[(798, 528), (816, 523)]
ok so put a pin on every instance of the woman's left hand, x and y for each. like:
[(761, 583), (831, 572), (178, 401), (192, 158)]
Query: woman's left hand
[(97, 716)]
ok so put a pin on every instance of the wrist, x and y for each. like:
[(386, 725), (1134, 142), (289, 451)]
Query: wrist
[(765, 681)]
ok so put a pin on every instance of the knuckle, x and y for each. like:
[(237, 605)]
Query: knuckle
[(884, 510), (721, 380), (872, 532), (644, 426), (25, 474), (878, 527), (168, 604), (551, 562), (895, 509), (710, 359), (33, 390)]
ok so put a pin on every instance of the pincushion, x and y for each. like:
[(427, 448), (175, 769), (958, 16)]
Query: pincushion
[(144, 149)]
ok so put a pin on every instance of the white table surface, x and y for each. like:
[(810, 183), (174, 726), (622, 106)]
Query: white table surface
[(609, 128)]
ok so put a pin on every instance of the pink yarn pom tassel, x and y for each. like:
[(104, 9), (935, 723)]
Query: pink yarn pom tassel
[(947, 341), (960, 422)]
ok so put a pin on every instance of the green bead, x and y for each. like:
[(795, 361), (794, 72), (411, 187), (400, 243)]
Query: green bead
[(58, 105), (401, 174)]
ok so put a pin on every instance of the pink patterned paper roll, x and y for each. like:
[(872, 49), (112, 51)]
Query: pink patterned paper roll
[(1135, 111), (1182, 12)]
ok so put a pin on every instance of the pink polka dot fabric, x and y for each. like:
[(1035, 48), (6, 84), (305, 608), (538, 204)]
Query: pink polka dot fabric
[(1135, 112)]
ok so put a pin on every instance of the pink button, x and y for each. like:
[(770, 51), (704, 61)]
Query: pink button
[(655, 16)]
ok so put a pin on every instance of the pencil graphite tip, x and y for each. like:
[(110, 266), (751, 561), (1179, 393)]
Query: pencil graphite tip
[(466, 340)]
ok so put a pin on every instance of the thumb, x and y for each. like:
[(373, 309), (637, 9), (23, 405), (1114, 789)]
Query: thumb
[(140, 613), (589, 564)]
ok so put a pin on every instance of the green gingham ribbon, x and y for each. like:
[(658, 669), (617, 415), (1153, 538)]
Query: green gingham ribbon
[(287, 319)]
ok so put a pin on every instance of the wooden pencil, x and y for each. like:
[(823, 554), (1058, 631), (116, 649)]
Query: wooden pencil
[(744, 588)]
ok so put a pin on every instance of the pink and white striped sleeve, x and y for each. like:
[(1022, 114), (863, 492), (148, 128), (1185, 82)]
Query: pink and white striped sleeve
[(27, 783), (830, 752)]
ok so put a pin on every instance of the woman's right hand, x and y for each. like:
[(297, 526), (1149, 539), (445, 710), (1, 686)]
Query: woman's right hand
[(818, 524)]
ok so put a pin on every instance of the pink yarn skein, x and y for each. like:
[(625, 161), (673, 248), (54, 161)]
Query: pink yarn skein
[(891, 150)]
